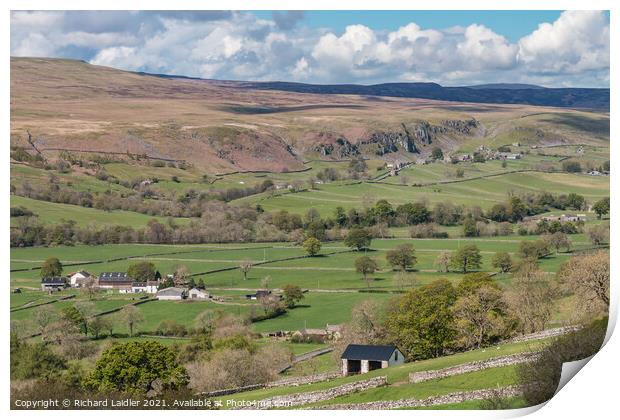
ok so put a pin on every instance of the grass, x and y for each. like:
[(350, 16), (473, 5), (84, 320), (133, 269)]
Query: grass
[(53, 213), (398, 375)]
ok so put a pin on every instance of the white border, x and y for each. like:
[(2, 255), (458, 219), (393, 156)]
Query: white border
[(592, 394)]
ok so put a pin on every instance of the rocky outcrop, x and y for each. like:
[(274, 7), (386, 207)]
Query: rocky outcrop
[(427, 375), (340, 149), (316, 396), (461, 126), (389, 142), (454, 398)]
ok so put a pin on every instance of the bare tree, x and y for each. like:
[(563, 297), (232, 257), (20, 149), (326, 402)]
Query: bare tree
[(442, 262), (245, 268), (587, 277), (532, 298), (44, 316), (131, 316)]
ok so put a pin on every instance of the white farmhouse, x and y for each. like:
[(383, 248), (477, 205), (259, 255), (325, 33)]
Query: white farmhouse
[(78, 279), (198, 294)]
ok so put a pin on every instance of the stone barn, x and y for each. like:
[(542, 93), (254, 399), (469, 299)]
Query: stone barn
[(359, 358)]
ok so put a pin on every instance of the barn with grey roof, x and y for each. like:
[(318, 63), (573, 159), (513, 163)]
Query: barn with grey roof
[(362, 358)]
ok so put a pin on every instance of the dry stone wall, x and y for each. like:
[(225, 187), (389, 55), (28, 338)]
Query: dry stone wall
[(454, 398), (427, 375), (316, 396)]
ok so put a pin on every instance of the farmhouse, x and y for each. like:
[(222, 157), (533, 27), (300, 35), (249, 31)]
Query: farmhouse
[(144, 286), (115, 280), (172, 293), (358, 358), (198, 294), (77, 279), (53, 283)]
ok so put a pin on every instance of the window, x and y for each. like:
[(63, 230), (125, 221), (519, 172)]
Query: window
[(395, 355)]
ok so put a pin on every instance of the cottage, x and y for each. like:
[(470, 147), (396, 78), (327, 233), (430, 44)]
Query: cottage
[(198, 294), (172, 293), (115, 280), (52, 284), (358, 358), (595, 173), (315, 335), (78, 279)]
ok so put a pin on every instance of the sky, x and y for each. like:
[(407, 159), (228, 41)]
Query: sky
[(453, 48)]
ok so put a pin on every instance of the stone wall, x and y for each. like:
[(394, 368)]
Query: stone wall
[(317, 396), (454, 398), (427, 375), (292, 381), (553, 332)]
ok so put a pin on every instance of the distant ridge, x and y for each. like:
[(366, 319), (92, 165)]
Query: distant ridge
[(506, 86), (580, 98)]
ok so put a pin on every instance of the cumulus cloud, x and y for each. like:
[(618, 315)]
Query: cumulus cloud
[(573, 50)]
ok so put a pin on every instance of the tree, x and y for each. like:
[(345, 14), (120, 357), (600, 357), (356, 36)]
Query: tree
[(601, 207), (404, 280), (292, 295), (469, 228), (540, 377), (531, 299), (137, 367), (479, 312), (587, 277), (97, 325), (533, 250), (141, 271), (466, 258), (366, 266), (559, 240), (181, 274), (265, 282), (51, 267), (36, 360), (402, 256), (442, 262), (90, 286), (358, 238), (502, 262), (75, 317), (437, 153), (599, 234), (131, 316), (312, 246), (43, 316), (245, 268), (421, 322)]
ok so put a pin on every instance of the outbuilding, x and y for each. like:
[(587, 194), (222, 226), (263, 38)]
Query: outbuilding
[(172, 293), (196, 293), (53, 283), (361, 358)]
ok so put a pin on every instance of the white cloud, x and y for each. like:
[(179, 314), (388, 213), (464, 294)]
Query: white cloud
[(573, 50), (575, 42)]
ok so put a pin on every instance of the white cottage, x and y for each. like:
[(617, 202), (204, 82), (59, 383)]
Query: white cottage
[(78, 279), (198, 294)]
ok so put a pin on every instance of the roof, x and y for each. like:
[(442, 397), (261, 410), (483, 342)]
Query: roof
[(368, 352), (138, 284), (313, 331), (81, 272), (114, 276), (171, 291), (53, 280)]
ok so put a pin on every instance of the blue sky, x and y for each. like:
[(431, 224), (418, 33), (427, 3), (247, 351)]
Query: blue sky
[(512, 24), (549, 48)]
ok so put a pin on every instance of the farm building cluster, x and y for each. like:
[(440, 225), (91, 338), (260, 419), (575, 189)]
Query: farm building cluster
[(123, 283)]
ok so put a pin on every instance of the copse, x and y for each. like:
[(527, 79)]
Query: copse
[(502, 261)]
